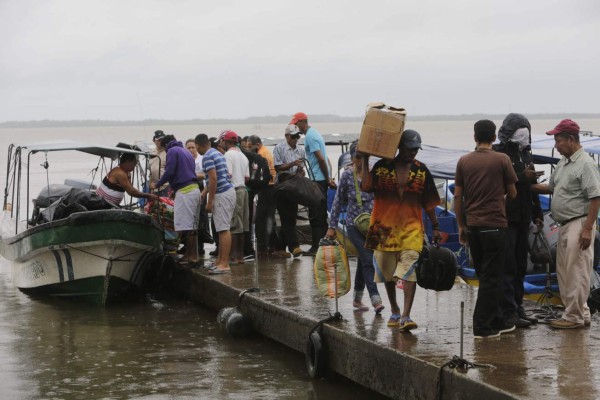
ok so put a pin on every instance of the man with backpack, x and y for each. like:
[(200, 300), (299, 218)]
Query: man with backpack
[(265, 227), (288, 157), (260, 176)]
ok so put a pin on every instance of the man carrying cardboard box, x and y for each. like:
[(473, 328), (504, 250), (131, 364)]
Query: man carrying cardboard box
[(314, 146), (403, 188)]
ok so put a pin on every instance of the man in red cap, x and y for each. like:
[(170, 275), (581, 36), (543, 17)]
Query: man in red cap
[(314, 146), (575, 186)]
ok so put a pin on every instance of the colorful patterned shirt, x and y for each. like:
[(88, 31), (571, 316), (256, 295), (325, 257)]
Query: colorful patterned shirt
[(397, 223)]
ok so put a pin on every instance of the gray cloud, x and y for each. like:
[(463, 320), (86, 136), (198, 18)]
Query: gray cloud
[(190, 59)]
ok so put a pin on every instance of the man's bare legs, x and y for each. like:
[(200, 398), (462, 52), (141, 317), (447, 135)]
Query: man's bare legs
[(224, 250), (410, 288), (390, 288)]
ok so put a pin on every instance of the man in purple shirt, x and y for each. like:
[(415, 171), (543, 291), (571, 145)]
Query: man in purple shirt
[(180, 172)]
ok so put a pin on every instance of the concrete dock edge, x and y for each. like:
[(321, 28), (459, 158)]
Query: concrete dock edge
[(379, 368)]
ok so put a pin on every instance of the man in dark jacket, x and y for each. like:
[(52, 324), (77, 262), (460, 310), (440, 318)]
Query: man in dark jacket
[(515, 142)]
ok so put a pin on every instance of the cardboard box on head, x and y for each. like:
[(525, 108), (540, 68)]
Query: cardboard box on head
[(382, 130)]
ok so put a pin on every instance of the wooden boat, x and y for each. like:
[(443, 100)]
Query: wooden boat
[(93, 253)]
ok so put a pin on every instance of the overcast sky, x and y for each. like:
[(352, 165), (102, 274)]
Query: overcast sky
[(131, 60)]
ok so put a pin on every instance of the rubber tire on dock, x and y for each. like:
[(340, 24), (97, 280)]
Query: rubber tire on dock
[(315, 355)]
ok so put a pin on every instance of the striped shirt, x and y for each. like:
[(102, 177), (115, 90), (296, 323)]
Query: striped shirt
[(212, 159), (284, 154)]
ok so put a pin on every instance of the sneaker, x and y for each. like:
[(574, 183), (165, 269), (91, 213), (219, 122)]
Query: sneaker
[(564, 324), (249, 257), (297, 252), (407, 324), (486, 334), (505, 327), (379, 308), (280, 254), (518, 322), (522, 315), (394, 320)]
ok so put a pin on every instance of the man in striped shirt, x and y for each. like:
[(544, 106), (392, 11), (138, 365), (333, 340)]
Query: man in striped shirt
[(221, 199)]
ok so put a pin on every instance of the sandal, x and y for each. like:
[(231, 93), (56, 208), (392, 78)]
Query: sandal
[(394, 321), (219, 271), (379, 308), (359, 306)]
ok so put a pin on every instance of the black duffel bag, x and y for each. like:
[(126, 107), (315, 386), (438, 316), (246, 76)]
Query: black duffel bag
[(436, 268), (298, 189)]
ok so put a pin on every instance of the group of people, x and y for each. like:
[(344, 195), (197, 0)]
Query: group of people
[(222, 176), (495, 202)]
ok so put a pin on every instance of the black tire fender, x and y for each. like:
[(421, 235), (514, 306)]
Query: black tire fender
[(315, 355)]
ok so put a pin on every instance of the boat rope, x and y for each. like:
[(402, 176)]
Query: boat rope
[(243, 293), (460, 363), (45, 165), (111, 259), (106, 281), (332, 317)]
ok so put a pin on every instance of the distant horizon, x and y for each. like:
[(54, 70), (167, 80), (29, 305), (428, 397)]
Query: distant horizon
[(322, 118)]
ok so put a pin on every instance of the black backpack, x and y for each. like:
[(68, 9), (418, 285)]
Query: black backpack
[(260, 174)]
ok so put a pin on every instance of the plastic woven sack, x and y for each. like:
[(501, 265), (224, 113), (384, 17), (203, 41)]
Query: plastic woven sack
[(331, 264)]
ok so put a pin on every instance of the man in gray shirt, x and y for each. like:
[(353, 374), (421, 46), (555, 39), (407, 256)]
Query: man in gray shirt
[(575, 185), (289, 157)]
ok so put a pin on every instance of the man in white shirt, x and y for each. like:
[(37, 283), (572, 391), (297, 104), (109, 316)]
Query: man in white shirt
[(237, 166)]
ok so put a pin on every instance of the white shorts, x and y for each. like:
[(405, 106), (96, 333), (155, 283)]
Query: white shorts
[(394, 265), (223, 207), (185, 210)]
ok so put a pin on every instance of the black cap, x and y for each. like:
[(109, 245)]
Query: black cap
[(411, 139), (158, 135)]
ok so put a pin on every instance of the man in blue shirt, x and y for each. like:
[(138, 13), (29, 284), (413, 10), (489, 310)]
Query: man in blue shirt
[(314, 146), (221, 199)]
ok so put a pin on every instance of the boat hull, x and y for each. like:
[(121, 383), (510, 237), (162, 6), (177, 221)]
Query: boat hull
[(98, 255)]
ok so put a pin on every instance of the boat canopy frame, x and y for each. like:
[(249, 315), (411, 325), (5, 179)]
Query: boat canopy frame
[(14, 168)]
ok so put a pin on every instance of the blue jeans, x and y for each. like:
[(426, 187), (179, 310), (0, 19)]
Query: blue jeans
[(365, 272)]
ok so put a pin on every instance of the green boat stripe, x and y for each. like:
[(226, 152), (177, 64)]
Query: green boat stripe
[(59, 265), (69, 260)]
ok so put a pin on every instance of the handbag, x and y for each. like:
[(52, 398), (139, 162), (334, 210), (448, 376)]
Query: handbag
[(362, 220), (540, 249)]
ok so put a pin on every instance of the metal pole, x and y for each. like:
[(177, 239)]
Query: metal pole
[(462, 325), (336, 288)]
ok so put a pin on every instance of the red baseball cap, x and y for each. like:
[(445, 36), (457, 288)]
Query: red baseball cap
[(299, 116), (229, 136), (565, 126)]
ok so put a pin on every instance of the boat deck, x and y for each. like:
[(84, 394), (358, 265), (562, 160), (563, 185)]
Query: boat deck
[(537, 362)]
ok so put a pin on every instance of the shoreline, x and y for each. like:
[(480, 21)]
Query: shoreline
[(280, 119)]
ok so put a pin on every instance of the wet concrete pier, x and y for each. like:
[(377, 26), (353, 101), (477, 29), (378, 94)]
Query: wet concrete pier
[(533, 363)]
